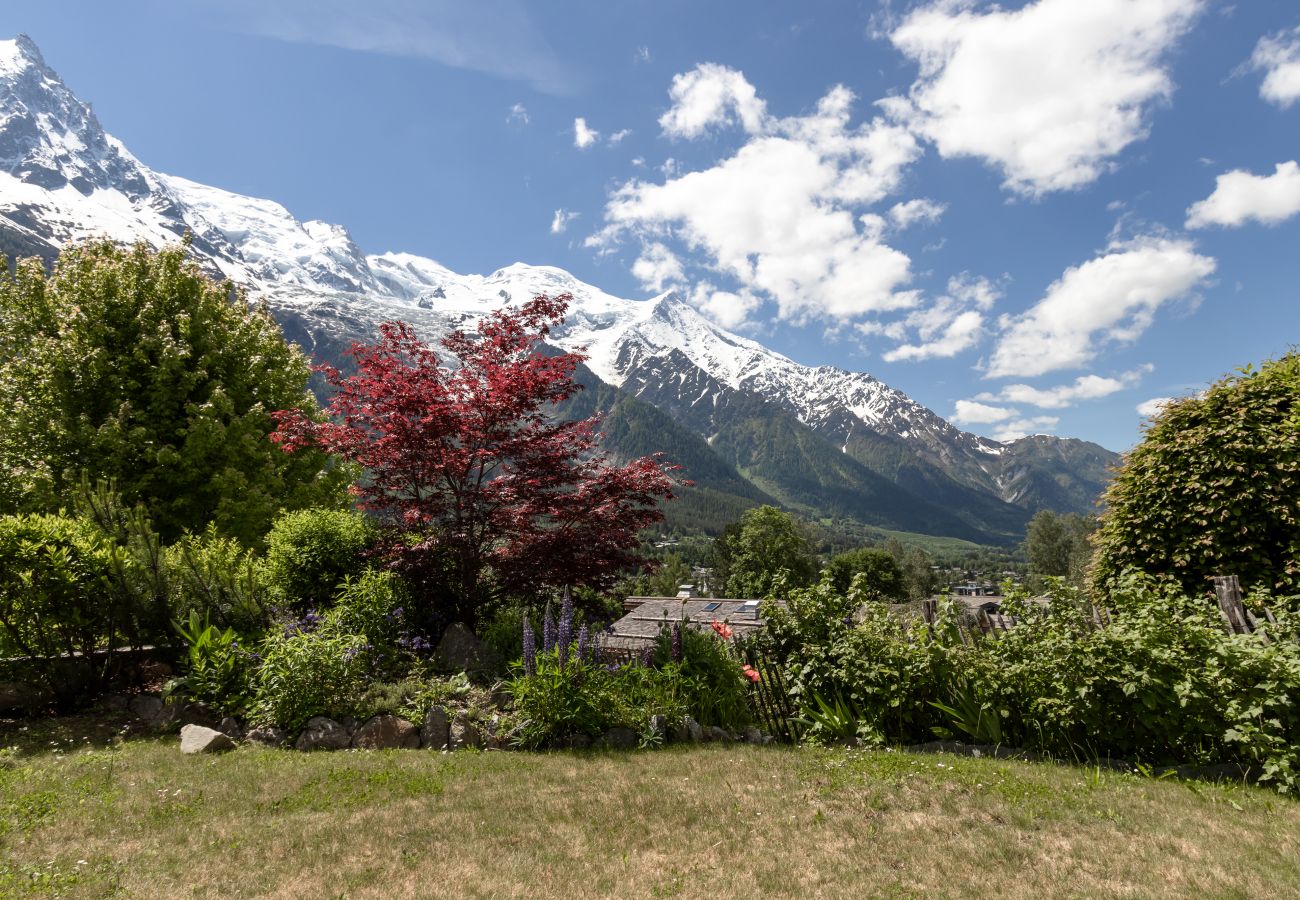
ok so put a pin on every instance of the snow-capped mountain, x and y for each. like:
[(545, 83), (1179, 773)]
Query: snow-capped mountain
[(820, 438)]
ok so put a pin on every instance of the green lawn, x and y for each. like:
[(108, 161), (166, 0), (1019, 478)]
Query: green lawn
[(82, 816)]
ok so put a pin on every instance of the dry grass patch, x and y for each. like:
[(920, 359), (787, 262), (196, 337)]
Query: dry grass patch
[(140, 820)]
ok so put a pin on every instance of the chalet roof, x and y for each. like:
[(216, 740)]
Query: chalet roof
[(647, 615)]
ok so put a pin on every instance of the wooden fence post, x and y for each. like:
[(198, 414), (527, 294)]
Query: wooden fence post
[(1227, 590)]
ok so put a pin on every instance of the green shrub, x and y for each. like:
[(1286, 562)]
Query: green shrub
[(883, 579), (52, 586), (709, 678), (218, 671), (1214, 487), (310, 673), (323, 665), (216, 579), (311, 552), (584, 698)]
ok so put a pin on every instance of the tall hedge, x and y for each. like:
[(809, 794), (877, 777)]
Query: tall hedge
[(1213, 488)]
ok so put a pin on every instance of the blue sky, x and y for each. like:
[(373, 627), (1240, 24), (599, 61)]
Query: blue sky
[(1030, 217)]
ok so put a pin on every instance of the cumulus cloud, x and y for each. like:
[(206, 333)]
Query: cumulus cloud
[(1049, 93), (953, 323), (920, 210), (1153, 407), (1278, 57), (1240, 197), (560, 221), (1112, 298), (583, 136), (1008, 424), (710, 96), (728, 308), (617, 137), (802, 241), (658, 267), (969, 412), (1016, 429), (1085, 387)]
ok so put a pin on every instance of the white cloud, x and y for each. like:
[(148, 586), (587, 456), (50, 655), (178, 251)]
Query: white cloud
[(560, 221), (1240, 197), (1085, 387), (968, 412), (1153, 407), (617, 137), (642, 54), (910, 212), (1020, 428), (1112, 298), (658, 267), (583, 136), (518, 115), (1050, 93), (711, 95), (783, 215), (727, 308), (500, 38), (1009, 424), (950, 325), (1278, 56)]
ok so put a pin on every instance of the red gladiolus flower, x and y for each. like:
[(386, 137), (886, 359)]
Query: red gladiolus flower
[(750, 672), (723, 630)]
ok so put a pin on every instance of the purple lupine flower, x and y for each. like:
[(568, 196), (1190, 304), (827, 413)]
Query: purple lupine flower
[(677, 642), (530, 649), (565, 634), (648, 656), (584, 643), (548, 629)]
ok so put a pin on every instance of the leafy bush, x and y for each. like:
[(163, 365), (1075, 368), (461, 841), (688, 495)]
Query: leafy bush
[(53, 572), (883, 577), (584, 698), (323, 664), (310, 673), (311, 552), (1161, 683), (216, 579), (710, 681), (218, 671), (1214, 487)]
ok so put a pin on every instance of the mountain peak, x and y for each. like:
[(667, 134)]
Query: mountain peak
[(20, 53), (50, 138)]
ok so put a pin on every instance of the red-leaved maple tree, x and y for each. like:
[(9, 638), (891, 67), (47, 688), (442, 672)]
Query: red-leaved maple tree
[(487, 494)]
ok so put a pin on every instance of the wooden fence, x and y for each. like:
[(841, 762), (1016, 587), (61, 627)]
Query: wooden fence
[(1237, 619)]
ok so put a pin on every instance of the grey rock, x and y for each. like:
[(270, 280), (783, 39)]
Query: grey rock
[(351, 723), (117, 701), (386, 732), (620, 739), (323, 734), (200, 739), (194, 714), (464, 734), (572, 742), (147, 707), (436, 731), (659, 726), (680, 733), (230, 727), (267, 736), (501, 696), (718, 735), (753, 735), (768, 739), (460, 650), (694, 733)]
